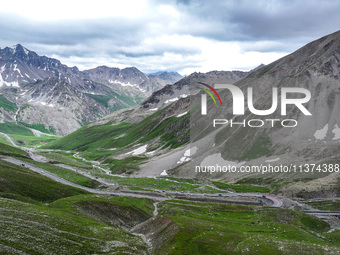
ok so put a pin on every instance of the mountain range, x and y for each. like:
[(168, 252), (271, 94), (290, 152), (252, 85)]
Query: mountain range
[(164, 117), (159, 127), (164, 120), (128, 182), (61, 98), (315, 139)]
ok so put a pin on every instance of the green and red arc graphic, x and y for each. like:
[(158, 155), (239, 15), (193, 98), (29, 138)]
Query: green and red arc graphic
[(213, 90)]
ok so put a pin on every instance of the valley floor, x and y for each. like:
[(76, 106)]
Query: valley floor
[(64, 205)]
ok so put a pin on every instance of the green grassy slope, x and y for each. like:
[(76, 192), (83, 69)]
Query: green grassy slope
[(89, 138), (224, 229), (31, 141), (35, 210), (11, 171), (21, 181), (125, 101), (22, 132), (103, 142), (241, 188), (13, 128), (8, 150), (39, 127), (61, 228), (326, 205), (8, 105), (121, 100), (124, 134)]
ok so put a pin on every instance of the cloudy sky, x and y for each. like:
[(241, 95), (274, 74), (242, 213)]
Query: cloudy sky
[(182, 35)]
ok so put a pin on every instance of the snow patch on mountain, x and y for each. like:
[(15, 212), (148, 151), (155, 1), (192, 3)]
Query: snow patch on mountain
[(321, 133), (190, 152), (127, 85), (182, 114), (3, 82), (13, 49), (124, 84), (272, 160), (15, 68), (164, 173), (26, 51), (187, 154), (138, 151), (336, 132), (171, 100)]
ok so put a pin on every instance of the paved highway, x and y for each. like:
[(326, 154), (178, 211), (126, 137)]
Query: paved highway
[(322, 213), (163, 194), (63, 181)]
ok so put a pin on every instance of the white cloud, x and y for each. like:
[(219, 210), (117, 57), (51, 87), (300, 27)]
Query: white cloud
[(230, 56), (183, 53), (169, 10), (42, 10)]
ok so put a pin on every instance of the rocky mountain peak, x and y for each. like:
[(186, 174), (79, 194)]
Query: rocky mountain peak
[(316, 68), (319, 57), (17, 52), (48, 87)]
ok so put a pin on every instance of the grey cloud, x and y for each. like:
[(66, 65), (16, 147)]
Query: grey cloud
[(185, 2), (269, 46), (262, 25), (263, 20), (110, 37), (155, 53), (287, 19), (144, 65), (70, 33)]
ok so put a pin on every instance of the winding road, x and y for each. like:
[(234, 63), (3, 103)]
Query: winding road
[(161, 196)]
